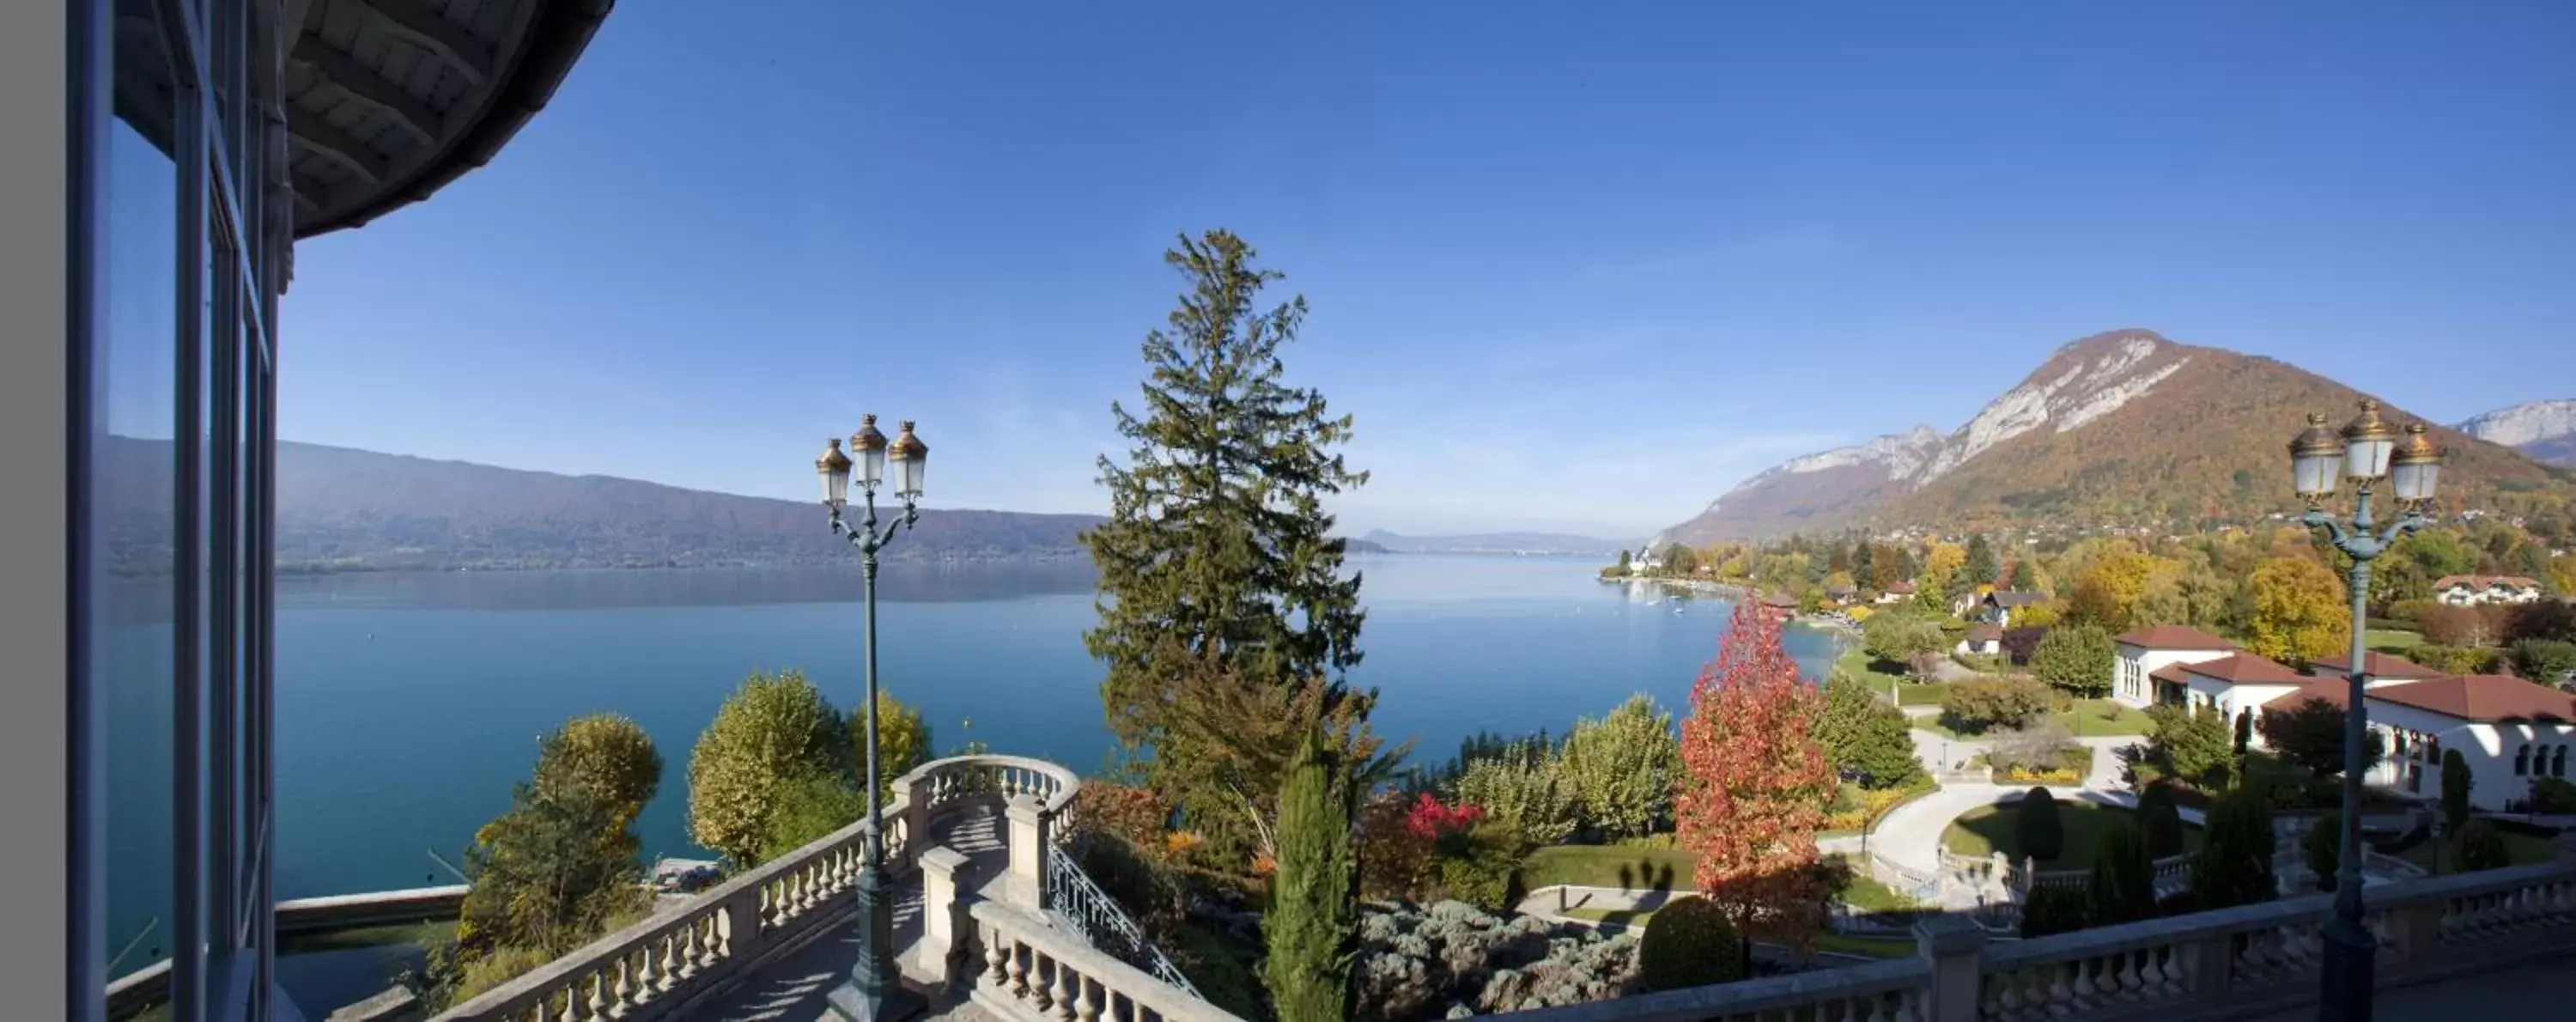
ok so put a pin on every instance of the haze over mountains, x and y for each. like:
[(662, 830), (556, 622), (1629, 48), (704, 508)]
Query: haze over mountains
[(2120, 428)]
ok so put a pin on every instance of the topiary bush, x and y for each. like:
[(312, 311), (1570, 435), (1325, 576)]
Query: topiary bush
[(2234, 866), (2123, 883), (2050, 910), (1689, 943), (2035, 822), (2160, 821), (2478, 845), (2324, 848)]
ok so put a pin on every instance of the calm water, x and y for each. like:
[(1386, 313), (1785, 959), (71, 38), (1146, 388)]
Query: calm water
[(407, 705)]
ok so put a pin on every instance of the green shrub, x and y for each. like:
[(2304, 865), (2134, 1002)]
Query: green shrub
[(809, 809), (2478, 845), (2324, 846), (1689, 943), (2456, 782), (2035, 822), (1983, 703), (1484, 869), (2553, 795), (2160, 820), (1313, 920), (2055, 910), (2234, 866), (2123, 883)]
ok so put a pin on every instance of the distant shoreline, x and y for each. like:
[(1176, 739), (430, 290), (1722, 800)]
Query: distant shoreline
[(1837, 624)]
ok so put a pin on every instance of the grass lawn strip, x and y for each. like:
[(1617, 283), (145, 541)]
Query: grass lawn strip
[(1985, 829)]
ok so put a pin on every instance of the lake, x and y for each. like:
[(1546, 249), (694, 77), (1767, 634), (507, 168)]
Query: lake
[(407, 705)]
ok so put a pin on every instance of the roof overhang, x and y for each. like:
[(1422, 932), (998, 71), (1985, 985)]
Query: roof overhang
[(384, 101), (387, 101)]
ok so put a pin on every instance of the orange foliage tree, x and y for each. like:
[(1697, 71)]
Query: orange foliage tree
[(1755, 785)]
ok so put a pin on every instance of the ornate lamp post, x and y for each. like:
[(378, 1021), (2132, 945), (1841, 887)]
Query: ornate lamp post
[(2365, 453), (875, 990)]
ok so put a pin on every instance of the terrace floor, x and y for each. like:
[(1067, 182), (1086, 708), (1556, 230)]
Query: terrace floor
[(794, 988)]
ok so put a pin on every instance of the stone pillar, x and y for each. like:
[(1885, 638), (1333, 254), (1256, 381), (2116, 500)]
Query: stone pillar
[(944, 919), (915, 787), (1027, 845), (1955, 948), (2415, 928)]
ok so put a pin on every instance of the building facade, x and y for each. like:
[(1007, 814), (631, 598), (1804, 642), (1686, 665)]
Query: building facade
[(2507, 730), (2138, 654), (168, 154)]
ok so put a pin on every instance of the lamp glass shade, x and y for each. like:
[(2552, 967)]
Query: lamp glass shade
[(870, 446), (2367, 457), (834, 469), (910, 457), (2412, 481), (2316, 472)]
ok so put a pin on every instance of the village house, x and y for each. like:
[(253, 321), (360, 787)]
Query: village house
[(1982, 639), (1897, 593), (2234, 684), (2141, 652), (2472, 590), (2509, 731), (1997, 607)]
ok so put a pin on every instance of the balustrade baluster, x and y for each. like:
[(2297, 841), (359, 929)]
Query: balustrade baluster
[(718, 945), (598, 1004), (1020, 970), (1066, 986), (993, 944), (666, 947), (622, 996), (571, 1005)]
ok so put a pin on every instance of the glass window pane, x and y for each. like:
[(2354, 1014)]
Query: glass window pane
[(135, 497)]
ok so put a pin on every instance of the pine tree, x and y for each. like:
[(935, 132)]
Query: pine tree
[(2023, 578), (1865, 568), (1219, 571), (1981, 567), (1312, 926)]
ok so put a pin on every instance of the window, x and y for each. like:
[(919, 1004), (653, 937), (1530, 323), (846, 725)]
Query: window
[(2522, 760), (2558, 762)]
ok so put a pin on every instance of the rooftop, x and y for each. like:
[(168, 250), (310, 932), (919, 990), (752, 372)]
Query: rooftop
[(2173, 637), (2377, 665), (2482, 698), (2240, 669)]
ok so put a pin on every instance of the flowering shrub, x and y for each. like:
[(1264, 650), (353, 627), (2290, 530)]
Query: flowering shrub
[(1395, 859), (1440, 823)]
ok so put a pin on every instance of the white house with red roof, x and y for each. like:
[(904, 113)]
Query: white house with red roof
[(2471, 590), (2234, 684), (2508, 730), (2141, 652), (2383, 669)]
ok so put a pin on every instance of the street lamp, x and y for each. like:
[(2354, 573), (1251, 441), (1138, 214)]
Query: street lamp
[(2365, 453), (875, 990)]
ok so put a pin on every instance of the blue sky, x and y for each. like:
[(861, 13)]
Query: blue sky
[(1572, 266)]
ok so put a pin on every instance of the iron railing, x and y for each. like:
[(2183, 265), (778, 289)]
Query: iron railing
[(1075, 903)]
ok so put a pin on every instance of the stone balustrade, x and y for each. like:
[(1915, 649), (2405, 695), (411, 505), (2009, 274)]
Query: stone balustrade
[(657, 967), (2252, 957), (1032, 971)]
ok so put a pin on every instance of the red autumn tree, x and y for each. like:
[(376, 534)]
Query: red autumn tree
[(1755, 784)]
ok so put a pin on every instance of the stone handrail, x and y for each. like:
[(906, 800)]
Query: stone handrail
[(657, 967), (1879, 990), (1032, 970), (2252, 957)]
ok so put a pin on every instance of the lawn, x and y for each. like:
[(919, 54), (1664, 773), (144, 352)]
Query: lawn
[(1983, 830), (2524, 848), (2104, 717), (1859, 664), (1867, 947), (2387, 640), (1911, 694), (1607, 866), (2100, 718)]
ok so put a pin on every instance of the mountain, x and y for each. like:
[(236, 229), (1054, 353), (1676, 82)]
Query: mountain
[(1496, 543), (2125, 427), (2545, 430), (340, 509)]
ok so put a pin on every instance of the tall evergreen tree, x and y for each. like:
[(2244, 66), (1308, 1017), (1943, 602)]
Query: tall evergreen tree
[(1981, 567), (1221, 582), (1865, 568), (2023, 578), (1312, 927)]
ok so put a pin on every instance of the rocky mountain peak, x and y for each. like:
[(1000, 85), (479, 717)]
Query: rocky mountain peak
[(2082, 381), (2527, 423)]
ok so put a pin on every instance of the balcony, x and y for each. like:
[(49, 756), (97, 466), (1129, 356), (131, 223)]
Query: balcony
[(994, 921)]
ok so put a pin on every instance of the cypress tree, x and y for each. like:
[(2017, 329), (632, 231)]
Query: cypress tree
[(1864, 569), (1221, 584), (1982, 568), (1312, 926)]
